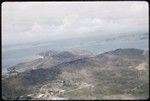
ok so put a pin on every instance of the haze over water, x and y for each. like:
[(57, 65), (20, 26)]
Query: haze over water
[(74, 25), (14, 54)]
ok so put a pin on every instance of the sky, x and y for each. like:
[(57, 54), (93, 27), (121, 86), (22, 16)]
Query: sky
[(39, 21)]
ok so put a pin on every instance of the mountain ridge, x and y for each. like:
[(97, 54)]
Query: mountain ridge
[(117, 72)]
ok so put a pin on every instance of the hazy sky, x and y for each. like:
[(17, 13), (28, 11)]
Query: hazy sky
[(33, 21)]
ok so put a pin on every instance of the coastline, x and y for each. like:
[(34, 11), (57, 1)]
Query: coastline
[(31, 58)]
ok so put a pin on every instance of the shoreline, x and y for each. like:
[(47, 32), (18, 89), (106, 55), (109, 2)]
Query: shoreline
[(34, 57), (31, 58)]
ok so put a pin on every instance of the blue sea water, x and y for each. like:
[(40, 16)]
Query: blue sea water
[(12, 55)]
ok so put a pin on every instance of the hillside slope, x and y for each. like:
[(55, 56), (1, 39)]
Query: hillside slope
[(117, 74)]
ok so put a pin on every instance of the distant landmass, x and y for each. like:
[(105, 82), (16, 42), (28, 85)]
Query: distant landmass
[(130, 37), (116, 74)]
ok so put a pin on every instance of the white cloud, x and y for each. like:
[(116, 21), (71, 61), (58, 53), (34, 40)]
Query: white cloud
[(32, 21)]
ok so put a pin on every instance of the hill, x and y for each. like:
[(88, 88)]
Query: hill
[(117, 74)]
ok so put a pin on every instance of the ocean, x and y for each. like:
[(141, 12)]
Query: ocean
[(14, 54)]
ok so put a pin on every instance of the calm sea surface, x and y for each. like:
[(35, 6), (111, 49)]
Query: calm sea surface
[(12, 55)]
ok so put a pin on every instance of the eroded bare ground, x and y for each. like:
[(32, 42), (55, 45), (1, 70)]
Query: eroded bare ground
[(47, 93), (118, 74), (121, 97)]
